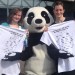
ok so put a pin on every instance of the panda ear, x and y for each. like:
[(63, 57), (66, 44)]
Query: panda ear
[(25, 11), (50, 9)]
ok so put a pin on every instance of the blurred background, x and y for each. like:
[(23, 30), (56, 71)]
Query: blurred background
[(7, 5)]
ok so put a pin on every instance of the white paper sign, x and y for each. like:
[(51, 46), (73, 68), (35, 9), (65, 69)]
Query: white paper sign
[(11, 40)]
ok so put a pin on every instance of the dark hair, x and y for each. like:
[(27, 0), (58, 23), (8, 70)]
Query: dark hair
[(12, 13), (58, 3)]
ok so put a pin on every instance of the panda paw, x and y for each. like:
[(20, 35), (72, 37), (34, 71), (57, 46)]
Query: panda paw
[(65, 55)]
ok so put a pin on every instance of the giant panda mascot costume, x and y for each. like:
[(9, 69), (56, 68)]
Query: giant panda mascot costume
[(39, 64), (35, 55)]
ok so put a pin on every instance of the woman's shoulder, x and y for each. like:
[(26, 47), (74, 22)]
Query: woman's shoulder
[(69, 18), (5, 24)]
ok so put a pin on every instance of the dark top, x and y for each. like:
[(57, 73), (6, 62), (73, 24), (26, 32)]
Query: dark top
[(66, 19)]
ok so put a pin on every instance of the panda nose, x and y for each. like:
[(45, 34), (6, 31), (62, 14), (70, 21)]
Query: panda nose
[(38, 21)]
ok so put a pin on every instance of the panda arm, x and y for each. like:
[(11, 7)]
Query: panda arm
[(26, 54), (55, 54)]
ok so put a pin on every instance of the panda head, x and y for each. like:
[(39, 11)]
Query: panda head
[(37, 18)]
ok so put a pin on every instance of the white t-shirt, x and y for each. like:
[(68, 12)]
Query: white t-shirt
[(62, 35), (10, 67)]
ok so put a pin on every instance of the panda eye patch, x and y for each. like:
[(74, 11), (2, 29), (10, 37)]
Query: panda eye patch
[(30, 15), (45, 15)]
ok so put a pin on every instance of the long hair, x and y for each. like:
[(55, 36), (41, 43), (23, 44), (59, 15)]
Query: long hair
[(12, 13)]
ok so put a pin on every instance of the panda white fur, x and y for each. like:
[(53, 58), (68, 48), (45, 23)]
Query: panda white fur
[(40, 63)]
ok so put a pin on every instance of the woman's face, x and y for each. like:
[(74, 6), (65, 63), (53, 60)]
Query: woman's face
[(58, 11), (16, 18)]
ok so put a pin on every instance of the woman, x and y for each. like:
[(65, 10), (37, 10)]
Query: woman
[(14, 21), (58, 9)]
